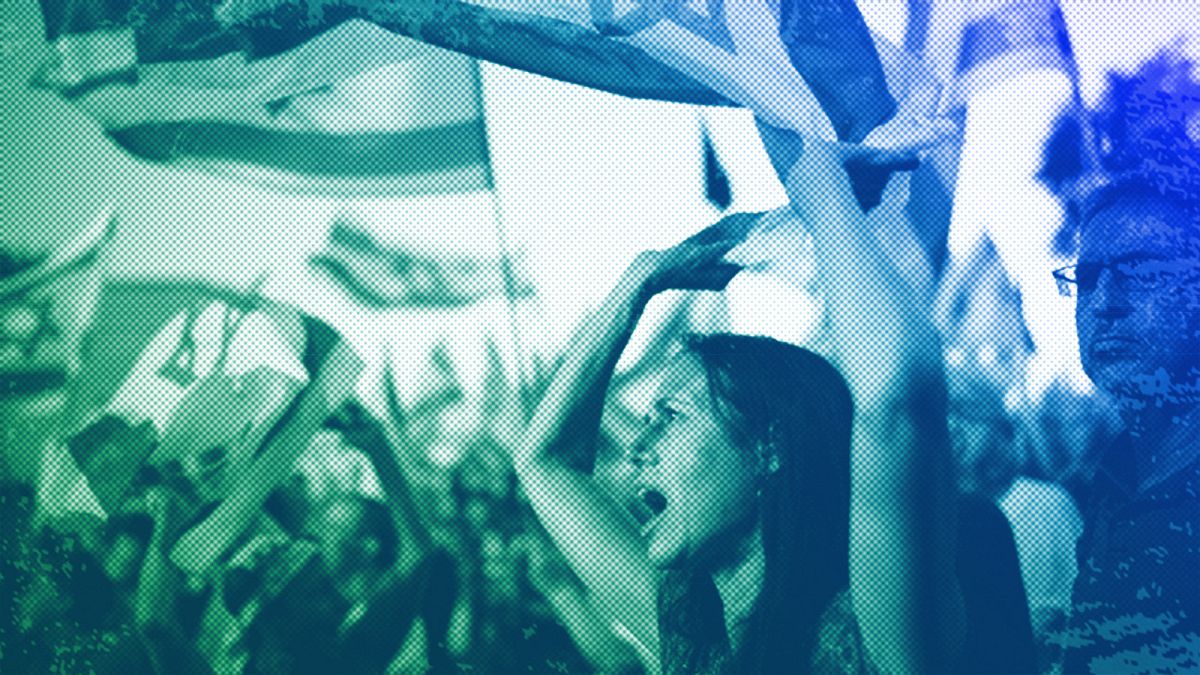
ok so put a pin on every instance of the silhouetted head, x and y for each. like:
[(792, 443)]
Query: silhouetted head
[(123, 545), (358, 540)]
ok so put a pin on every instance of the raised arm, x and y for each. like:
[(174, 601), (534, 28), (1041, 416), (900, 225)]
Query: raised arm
[(159, 584), (407, 518), (583, 522), (903, 582)]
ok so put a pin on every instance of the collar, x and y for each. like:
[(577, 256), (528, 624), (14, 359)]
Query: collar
[(1117, 477)]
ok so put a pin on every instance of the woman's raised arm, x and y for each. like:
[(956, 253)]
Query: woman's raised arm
[(903, 582), (585, 524)]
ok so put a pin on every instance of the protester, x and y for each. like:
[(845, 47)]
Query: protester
[(749, 474), (1136, 603), (48, 289), (349, 603), (792, 517)]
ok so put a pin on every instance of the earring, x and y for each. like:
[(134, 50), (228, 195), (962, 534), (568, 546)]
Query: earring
[(773, 464)]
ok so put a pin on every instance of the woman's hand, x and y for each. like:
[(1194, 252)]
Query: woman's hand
[(697, 263), (165, 506), (896, 145), (917, 124)]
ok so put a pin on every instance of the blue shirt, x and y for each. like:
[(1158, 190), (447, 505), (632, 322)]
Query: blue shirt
[(1136, 600)]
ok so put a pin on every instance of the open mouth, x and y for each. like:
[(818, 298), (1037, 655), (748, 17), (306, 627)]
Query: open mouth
[(649, 505)]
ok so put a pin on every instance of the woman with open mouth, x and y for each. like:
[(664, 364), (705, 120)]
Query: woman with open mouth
[(809, 509)]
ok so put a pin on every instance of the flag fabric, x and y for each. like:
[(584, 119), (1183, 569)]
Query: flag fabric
[(189, 373), (349, 110), (206, 408), (980, 43), (972, 46), (978, 311), (333, 381), (256, 86), (810, 67), (379, 276), (1010, 71), (806, 66)]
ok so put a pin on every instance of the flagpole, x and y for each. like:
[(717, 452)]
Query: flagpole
[(507, 268)]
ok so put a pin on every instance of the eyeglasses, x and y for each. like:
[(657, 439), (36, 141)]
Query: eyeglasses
[(1134, 275)]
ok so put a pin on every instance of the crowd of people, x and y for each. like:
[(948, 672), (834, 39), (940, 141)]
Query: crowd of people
[(333, 577), (849, 508)]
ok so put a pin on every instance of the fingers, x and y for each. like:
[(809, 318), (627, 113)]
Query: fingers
[(910, 132), (732, 228), (917, 125), (708, 246), (923, 99), (908, 136), (694, 268), (717, 276), (709, 277), (697, 262)]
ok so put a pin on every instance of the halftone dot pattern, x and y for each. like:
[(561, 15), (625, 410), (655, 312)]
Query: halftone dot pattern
[(279, 519)]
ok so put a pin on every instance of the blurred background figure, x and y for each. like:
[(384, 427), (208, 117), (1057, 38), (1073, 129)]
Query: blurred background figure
[(435, 211), (49, 284)]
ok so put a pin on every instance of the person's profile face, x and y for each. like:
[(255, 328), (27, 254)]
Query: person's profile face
[(697, 486), (1138, 339), (41, 331)]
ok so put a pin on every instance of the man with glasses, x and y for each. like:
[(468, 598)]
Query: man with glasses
[(1136, 600)]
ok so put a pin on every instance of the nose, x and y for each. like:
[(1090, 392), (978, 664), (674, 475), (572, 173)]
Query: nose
[(1108, 300), (641, 453)]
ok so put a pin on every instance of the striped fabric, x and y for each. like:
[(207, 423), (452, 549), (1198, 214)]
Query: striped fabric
[(187, 373), (976, 44), (379, 276), (220, 404), (973, 46), (805, 66), (354, 111), (1011, 71)]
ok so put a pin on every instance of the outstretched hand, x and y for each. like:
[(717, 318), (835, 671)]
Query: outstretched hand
[(697, 263), (897, 144)]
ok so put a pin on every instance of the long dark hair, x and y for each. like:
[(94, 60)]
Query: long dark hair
[(791, 403)]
